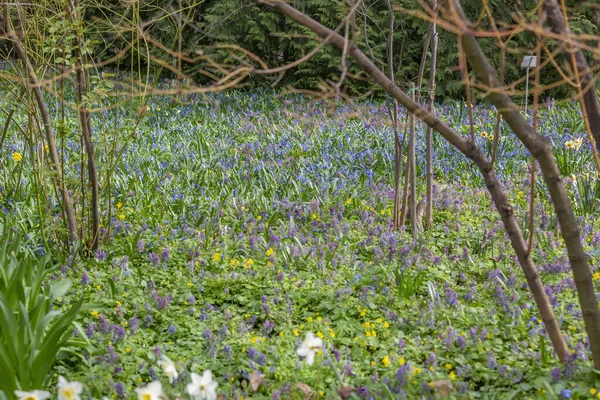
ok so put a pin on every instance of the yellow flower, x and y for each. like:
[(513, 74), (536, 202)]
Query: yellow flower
[(17, 156), (296, 332), (368, 333), (122, 217), (331, 333), (128, 350), (281, 333), (373, 333), (448, 366), (386, 325), (596, 276), (119, 205), (593, 391), (95, 314), (320, 334), (386, 361), (431, 384), (269, 252), (349, 201), (452, 376), (373, 363), (309, 319), (216, 257)]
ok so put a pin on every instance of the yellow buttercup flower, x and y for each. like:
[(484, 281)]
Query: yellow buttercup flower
[(386, 361), (17, 156)]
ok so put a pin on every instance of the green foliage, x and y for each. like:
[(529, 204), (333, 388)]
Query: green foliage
[(408, 282), (33, 330)]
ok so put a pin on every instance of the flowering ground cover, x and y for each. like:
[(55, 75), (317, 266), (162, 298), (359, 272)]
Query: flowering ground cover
[(251, 236)]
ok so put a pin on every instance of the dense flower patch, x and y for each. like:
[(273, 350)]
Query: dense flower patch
[(254, 233)]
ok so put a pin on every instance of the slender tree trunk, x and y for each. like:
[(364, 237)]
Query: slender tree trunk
[(541, 149), (394, 117), (590, 106), (424, 60), (86, 127), (469, 149), (428, 138), (407, 175), (37, 92), (412, 202)]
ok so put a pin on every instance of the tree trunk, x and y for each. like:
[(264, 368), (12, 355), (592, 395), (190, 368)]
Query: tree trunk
[(412, 202), (37, 92), (394, 118), (424, 61), (86, 129), (428, 138), (541, 149), (470, 150)]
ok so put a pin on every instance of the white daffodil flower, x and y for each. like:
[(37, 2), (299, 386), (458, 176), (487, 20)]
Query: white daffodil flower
[(152, 391), (69, 390), (33, 395), (202, 387), (310, 347), (169, 367)]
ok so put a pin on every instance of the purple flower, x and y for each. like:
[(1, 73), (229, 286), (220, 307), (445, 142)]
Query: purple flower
[(153, 258), (119, 389), (565, 394), (100, 255), (402, 375), (84, 278), (451, 297), (133, 325), (491, 361)]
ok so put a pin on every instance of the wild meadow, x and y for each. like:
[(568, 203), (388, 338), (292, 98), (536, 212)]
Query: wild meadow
[(247, 250)]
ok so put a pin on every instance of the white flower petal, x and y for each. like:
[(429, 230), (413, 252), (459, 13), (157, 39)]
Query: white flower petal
[(303, 350), (310, 358), (207, 377)]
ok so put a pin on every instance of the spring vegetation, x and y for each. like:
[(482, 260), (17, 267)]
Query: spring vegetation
[(319, 199)]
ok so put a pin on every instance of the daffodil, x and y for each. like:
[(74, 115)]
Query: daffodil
[(310, 347), (169, 368), (152, 391), (202, 387), (68, 390), (33, 395)]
